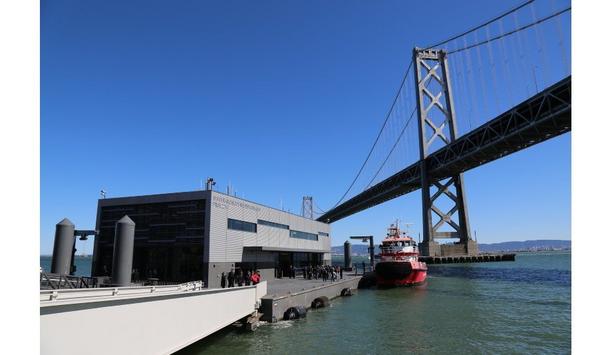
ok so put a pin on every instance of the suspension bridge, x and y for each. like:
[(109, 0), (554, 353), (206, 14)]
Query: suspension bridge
[(490, 91)]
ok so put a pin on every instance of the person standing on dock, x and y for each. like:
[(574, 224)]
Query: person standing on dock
[(238, 277), (223, 280), (247, 278), (256, 277), (341, 272), (230, 278)]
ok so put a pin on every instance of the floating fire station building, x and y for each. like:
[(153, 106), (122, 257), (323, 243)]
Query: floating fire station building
[(200, 234)]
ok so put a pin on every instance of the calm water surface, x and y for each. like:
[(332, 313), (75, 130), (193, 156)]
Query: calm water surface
[(82, 263), (506, 307)]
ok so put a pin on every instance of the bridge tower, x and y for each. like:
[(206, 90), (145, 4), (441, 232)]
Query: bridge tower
[(307, 205), (437, 128)]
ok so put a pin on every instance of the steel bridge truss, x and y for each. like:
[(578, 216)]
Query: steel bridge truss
[(537, 119)]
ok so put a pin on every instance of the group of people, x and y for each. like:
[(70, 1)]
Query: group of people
[(319, 272), (323, 272), (240, 277)]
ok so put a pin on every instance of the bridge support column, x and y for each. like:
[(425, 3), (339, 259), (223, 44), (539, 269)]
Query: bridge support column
[(438, 128)]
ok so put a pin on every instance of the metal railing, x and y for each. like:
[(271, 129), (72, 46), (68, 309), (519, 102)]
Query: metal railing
[(68, 294), (57, 281), (361, 268)]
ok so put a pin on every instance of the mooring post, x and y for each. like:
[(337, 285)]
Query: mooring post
[(347, 255), (123, 252), (63, 246)]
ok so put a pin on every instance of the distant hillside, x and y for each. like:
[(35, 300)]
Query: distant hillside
[(356, 249), (527, 245)]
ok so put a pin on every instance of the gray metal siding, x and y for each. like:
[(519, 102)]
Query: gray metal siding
[(227, 245)]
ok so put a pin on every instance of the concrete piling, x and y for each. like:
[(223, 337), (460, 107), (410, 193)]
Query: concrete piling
[(63, 247), (123, 252)]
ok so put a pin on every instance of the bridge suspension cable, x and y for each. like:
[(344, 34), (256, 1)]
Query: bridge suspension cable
[(397, 95), (392, 149), (474, 29), (513, 31)]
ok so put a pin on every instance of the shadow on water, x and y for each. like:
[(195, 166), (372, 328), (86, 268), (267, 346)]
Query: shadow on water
[(528, 275), (201, 346)]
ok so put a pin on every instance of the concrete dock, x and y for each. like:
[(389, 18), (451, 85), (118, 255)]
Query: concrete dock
[(480, 258), (287, 295)]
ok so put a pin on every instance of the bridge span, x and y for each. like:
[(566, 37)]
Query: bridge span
[(537, 119)]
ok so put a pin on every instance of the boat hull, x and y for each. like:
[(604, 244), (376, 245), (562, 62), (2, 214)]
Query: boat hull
[(391, 274)]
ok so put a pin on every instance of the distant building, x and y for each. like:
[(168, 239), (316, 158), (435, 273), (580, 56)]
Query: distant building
[(200, 234)]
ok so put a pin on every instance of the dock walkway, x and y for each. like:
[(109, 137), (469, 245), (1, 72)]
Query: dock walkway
[(285, 294)]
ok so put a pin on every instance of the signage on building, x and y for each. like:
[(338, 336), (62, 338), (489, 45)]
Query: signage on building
[(224, 202)]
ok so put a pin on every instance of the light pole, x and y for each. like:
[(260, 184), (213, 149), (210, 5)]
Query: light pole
[(365, 239)]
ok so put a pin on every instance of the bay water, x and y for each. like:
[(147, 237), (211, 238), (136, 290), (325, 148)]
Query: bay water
[(520, 307), (483, 308)]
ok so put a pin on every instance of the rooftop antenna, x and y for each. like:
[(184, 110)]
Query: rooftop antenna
[(210, 182), (408, 226), (102, 194)]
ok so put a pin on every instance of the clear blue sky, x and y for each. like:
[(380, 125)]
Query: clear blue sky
[(281, 98)]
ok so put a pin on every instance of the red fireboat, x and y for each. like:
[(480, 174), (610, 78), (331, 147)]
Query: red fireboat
[(399, 263)]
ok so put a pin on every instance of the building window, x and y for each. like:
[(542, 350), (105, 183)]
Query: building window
[(272, 224), (324, 234), (303, 235), (241, 225)]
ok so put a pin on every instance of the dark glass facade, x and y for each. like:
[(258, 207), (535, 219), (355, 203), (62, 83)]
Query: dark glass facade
[(239, 225), (272, 224), (303, 235), (169, 240)]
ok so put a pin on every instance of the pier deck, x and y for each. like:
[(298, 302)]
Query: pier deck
[(286, 293)]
